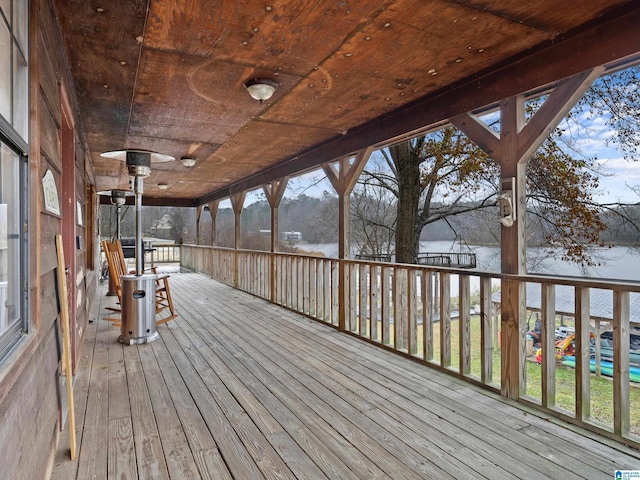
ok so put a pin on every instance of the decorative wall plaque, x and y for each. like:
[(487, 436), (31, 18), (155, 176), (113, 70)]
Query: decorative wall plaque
[(50, 193)]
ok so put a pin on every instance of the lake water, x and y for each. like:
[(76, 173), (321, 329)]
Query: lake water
[(617, 263)]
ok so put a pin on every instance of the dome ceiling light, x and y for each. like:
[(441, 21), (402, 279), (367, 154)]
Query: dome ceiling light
[(261, 89), (188, 161)]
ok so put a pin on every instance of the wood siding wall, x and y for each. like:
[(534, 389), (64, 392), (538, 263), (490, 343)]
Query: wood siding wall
[(29, 378)]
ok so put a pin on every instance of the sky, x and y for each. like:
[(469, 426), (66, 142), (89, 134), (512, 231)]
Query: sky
[(619, 175)]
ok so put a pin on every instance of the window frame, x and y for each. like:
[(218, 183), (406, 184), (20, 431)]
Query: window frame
[(12, 335), (18, 42), (17, 142)]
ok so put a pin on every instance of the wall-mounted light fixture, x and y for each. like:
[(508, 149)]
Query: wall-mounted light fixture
[(188, 161), (163, 186), (507, 202), (261, 89)]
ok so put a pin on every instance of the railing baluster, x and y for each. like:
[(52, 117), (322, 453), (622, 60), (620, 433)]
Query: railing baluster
[(284, 287), (306, 275), (445, 319), (362, 300), (289, 282), (325, 295), (259, 274), (374, 291), (427, 315), (548, 344), (621, 401), (245, 279), (313, 287), (300, 287), (412, 311), (486, 319), (582, 353), (464, 323), (386, 308), (335, 292), (353, 295), (400, 309)]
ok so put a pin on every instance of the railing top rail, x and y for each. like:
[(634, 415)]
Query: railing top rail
[(605, 284), (428, 254)]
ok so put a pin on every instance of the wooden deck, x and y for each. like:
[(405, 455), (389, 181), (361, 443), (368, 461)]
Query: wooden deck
[(239, 388)]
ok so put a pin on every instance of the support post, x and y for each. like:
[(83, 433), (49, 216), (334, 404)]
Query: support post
[(198, 214), (274, 191), (237, 202), (213, 211), (517, 142), (343, 181)]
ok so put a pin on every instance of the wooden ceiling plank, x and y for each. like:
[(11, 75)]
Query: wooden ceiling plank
[(612, 39), (350, 75)]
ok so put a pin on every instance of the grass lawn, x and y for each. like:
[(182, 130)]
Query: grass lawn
[(601, 387)]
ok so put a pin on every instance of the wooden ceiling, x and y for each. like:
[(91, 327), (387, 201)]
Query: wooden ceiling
[(168, 75)]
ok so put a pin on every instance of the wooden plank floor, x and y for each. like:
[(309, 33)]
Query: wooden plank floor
[(239, 388)]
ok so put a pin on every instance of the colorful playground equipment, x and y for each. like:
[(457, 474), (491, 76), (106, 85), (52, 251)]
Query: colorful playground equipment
[(565, 354), (564, 346)]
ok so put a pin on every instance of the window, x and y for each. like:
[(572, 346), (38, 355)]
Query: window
[(14, 85), (12, 267), (14, 115)]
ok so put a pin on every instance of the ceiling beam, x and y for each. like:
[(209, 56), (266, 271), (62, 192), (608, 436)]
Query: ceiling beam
[(154, 201), (614, 37)]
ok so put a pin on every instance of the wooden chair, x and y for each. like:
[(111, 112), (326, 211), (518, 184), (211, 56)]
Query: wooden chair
[(118, 267)]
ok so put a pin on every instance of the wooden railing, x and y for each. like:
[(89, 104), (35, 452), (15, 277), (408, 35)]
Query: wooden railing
[(162, 253), (448, 259), (450, 319)]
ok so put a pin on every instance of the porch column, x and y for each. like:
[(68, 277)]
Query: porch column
[(198, 213), (237, 202), (512, 149), (343, 181), (213, 211), (274, 191)]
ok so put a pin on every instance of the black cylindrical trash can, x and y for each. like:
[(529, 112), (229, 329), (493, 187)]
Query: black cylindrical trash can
[(138, 309)]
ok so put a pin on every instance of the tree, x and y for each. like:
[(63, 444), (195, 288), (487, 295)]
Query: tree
[(433, 177), (443, 174), (373, 219)]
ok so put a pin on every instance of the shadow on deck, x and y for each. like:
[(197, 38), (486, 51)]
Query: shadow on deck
[(239, 388)]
